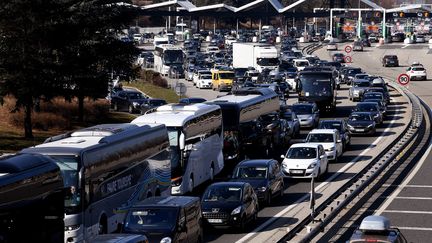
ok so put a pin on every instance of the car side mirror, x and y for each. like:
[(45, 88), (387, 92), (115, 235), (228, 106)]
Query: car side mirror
[(282, 156), (339, 141)]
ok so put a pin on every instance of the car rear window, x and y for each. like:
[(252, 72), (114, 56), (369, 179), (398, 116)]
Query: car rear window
[(418, 69)]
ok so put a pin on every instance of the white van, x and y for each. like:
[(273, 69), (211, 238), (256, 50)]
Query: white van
[(300, 64)]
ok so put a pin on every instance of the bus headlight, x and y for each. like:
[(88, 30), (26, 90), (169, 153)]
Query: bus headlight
[(72, 227), (166, 240)]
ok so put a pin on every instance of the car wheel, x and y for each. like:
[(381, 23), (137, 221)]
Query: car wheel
[(243, 223), (130, 109), (269, 198)]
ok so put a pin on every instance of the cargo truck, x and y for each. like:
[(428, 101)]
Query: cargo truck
[(256, 55)]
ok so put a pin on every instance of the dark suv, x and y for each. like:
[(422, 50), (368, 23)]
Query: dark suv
[(129, 100), (166, 219), (390, 61), (265, 177)]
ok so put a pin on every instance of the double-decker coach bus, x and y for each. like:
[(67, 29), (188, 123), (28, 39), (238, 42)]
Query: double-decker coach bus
[(196, 141), (104, 168), (241, 110), (165, 56), (31, 199)]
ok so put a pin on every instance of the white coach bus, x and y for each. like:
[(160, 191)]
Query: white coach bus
[(105, 168), (166, 55), (196, 141)]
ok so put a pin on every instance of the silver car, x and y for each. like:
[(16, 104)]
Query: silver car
[(357, 89), (307, 113)]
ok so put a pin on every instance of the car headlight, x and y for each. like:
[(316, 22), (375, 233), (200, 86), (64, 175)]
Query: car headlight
[(262, 189), (72, 227), (284, 165), (371, 125), (313, 165), (135, 104), (166, 240), (356, 92), (349, 126), (376, 115), (310, 118), (237, 210), (331, 149)]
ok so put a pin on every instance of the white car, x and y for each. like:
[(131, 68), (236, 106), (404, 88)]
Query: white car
[(300, 64), (420, 39), (212, 49), (330, 139), (197, 74), (332, 47), (304, 160), (417, 72), (204, 81)]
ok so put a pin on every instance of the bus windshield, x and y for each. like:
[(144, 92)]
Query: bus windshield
[(69, 169), (173, 57), (173, 136), (316, 85), (226, 75)]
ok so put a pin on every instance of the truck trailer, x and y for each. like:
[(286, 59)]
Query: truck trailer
[(256, 55)]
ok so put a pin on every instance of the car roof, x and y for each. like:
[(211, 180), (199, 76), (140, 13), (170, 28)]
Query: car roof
[(323, 131), (255, 162), (230, 183), (361, 113), (331, 121), (305, 145), (171, 201)]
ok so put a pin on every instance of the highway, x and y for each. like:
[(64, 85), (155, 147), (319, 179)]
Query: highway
[(295, 203), (409, 205)]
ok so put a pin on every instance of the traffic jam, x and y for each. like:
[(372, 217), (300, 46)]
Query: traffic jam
[(273, 120)]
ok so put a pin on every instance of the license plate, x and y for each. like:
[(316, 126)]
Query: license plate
[(359, 130), (296, 171), (214, 220)]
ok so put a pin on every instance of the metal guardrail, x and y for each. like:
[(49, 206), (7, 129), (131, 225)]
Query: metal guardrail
[(311, 48), (332, 206)]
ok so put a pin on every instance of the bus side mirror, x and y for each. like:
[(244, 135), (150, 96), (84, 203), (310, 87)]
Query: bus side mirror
[(182, 141)]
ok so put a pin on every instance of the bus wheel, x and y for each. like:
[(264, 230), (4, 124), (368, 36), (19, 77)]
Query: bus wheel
[(103, 225), (212, 172), (191, 184)]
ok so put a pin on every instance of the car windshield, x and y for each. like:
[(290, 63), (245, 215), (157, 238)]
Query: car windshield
[(372, 96), (251, 172), (360, 117), (157, 102), (302, 109), (268, 61), (135, 96), (226, 75), (366, 107), (353, 72), (320, 138), (287, 116), (361, 84), (302, 64), (159, 218), (223, 193), (206, 76), (330, 125), (302, 153)]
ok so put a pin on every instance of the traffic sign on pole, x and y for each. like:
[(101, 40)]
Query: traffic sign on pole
[(348, 59), (348, 49), (403, 79)]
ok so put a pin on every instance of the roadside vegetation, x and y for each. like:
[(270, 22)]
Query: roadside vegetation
[(51, 118)]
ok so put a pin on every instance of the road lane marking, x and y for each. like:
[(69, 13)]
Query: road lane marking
[(406, 181), (407, 212), (302, 199), (408, 198), (414, 228), (409, 186), (405, 46)]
